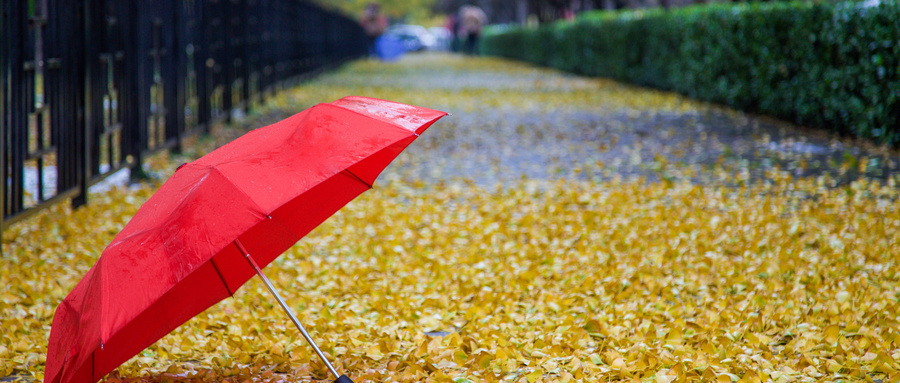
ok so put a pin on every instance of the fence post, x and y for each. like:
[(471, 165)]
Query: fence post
[(90, 79), (201, 57), (82, 56), (17, 106), (228, 61), (133, 99), (130, 116), (174, 75), (246, 69), (5, 61)]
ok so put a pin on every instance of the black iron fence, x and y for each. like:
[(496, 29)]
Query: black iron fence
[(90, 87)]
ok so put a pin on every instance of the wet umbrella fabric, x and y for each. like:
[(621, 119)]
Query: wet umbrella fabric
[(183, 250)]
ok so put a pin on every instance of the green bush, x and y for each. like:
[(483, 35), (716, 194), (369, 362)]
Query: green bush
[(833, 66)]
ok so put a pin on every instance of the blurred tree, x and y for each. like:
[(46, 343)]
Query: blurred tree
[(498, 11), (518, 11), (408, 11)]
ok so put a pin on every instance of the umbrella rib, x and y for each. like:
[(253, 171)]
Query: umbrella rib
[(213, 262), (358, 179), (287, 309)]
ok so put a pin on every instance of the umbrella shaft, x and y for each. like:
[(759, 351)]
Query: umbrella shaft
[(285, 307)]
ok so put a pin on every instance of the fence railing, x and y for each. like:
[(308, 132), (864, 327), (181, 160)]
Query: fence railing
[(90, 87)]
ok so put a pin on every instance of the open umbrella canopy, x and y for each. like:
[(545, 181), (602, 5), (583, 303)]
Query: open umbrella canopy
[(178, 255)]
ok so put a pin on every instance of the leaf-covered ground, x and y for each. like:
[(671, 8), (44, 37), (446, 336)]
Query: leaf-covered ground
[(553, 229)]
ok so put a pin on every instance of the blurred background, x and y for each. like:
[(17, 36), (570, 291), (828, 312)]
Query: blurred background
[(434, 24), (431, 13)]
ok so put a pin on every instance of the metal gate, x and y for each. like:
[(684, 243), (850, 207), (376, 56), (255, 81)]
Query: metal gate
[(90, 87)]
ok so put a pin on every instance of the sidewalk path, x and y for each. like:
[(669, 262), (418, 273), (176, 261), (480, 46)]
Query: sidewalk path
[(511, 121)]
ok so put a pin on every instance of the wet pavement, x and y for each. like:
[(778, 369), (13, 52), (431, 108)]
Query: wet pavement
[(512, 121)]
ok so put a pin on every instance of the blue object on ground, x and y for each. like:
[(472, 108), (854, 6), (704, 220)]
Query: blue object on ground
[(389, 48)]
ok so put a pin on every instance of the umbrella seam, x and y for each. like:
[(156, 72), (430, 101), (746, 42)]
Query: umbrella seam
[(216, 267), (259, 209), (357, 178), (117, 241), (65, 366)]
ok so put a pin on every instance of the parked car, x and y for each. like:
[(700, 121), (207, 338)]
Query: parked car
[(442, 36), (414, 37)]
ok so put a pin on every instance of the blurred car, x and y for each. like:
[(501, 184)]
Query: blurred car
[(442, 36), (414, 37)]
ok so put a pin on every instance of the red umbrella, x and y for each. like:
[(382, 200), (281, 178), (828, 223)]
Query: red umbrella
[(190, 245)]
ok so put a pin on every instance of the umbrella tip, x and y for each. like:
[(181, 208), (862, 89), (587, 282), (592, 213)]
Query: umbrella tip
[(343, 379), (180, 166)]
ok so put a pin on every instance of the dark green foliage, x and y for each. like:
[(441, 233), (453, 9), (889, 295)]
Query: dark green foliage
[(831, 66)]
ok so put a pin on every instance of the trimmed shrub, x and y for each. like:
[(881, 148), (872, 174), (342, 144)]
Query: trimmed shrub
[(833, 66)]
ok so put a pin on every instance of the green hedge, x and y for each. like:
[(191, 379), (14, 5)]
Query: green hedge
[(834, 66)]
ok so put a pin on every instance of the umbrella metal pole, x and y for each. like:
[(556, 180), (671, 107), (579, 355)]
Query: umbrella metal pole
[(287, 309)]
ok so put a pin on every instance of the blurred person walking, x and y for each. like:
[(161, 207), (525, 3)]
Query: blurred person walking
[(472, 19), (453, 26), (374, 23)]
